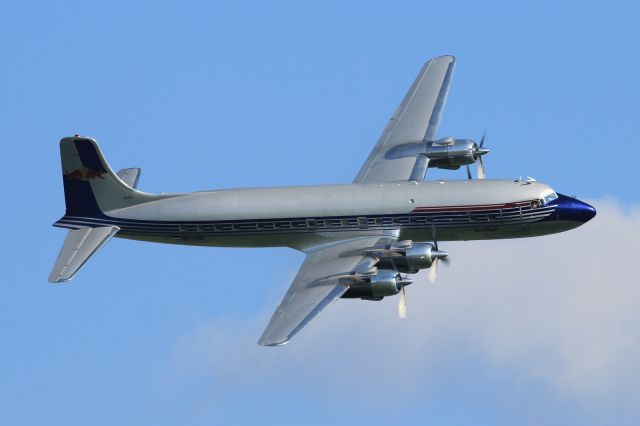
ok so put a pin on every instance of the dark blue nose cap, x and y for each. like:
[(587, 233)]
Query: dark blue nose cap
[(570, 208)]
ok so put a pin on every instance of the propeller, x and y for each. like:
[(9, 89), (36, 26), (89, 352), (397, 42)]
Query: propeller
[(433, 271), (479, 152), (437, 255), (402, 304)]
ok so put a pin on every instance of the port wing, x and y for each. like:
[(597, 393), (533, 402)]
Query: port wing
[(414, 121)]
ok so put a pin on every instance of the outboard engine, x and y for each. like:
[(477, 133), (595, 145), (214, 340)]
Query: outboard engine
[(446, 153), (377, 285)]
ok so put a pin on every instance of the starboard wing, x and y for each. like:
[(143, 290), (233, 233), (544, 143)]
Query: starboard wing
[(319, 282)]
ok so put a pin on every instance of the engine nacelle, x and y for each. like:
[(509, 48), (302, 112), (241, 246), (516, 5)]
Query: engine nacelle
[(450, 153), (385, 283), (408, 258), (382, 283), (445, 153)]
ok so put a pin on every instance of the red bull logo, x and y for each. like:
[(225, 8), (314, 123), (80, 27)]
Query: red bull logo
[(84, 174)]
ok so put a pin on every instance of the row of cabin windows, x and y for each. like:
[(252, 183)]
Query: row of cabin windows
[(361, 222)]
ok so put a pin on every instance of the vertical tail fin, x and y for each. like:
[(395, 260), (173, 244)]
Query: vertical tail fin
[(91, 189), (90, 185)]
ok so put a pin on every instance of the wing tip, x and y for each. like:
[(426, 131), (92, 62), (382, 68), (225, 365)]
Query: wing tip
[(57, 277), (267, 342), (448, 57)]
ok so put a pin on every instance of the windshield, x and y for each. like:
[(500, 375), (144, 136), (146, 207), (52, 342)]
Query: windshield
[(549, 198)]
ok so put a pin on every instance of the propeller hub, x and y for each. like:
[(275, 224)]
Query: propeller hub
[(439, 254), (403, 281), (481, 151)]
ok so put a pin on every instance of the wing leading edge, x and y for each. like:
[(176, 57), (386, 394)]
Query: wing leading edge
[(319, 282), (415, 120)]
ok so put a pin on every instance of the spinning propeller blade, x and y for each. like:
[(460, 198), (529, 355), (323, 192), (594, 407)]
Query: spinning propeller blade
[(437, 255), (433, 272), (480, 151), (402, 305), (481, 174)]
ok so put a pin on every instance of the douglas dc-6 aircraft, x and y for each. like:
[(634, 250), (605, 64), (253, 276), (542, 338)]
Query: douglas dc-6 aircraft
[(360, 239)]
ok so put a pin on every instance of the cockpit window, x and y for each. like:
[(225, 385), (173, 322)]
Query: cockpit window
[(549, 198)]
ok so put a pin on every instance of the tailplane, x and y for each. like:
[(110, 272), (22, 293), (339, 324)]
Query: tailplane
[(78, 247)]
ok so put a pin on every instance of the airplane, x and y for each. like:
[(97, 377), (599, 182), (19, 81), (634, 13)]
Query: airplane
[(362, 240)]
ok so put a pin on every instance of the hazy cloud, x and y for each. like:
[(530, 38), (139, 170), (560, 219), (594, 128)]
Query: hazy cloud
[(561, 311)]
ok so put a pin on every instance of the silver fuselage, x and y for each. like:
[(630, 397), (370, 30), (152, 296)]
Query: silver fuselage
[(306, 216)]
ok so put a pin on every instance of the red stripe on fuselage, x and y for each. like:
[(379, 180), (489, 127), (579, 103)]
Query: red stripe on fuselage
[(470, 207)]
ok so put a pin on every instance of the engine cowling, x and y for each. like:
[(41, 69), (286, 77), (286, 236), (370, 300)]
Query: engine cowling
[(385, 283), (445, 153), (450, 153), (381, 283), (408, 257)]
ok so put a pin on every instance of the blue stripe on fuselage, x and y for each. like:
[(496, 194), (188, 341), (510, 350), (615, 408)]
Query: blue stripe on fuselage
[(450, 219)]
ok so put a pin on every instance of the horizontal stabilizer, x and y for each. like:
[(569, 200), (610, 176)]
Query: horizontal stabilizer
[(130, 176), (78, 247)]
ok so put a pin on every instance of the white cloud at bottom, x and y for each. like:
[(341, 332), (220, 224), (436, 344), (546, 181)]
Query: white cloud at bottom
[(560, 311)]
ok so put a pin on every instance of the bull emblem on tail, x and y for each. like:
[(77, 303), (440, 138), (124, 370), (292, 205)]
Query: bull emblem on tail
[(84, 174)]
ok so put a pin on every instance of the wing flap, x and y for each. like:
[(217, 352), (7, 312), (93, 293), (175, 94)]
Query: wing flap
[(79, 245)]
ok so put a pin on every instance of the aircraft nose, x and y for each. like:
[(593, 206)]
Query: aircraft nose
[(572, 209), (582, 211)]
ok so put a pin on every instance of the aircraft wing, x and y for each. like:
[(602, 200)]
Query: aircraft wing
[(320, 281), (415, 120)]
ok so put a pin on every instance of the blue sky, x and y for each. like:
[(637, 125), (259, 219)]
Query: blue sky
[(229, 94)]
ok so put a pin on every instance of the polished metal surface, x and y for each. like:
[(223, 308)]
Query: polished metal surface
[(445, 153), (407, 259), (357, 238), (419, 171), (381, 284), (384, 283), (78, 247), (130, 176), (416, 119), (324, 276)]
